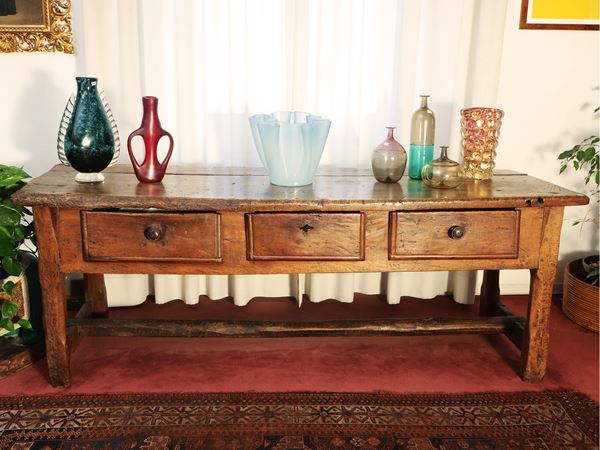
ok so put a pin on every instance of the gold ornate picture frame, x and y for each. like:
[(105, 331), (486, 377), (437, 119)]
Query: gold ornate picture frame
[(35, 26)]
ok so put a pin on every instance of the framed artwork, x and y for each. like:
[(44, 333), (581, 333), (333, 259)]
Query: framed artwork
[(35, 26), (560, 14)]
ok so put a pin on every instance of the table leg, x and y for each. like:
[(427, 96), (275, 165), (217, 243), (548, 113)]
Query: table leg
[(53, 294), (95, 294), (534, 352), (490, 293)]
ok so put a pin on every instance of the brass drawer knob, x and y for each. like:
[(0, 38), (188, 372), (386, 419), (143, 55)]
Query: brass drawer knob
[(153, 233), (456, 232)]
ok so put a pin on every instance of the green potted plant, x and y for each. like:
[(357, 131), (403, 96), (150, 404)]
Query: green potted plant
[(581, 277), (17, 249)]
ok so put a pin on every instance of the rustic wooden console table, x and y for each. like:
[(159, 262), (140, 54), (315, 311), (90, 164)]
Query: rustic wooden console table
[(235, 222)]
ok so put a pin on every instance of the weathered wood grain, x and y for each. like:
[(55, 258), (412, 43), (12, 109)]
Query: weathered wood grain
[(305, 236), (57, 188), (74, 336), (537, 332), (490, 293), (138, 236), (515, 331), (95, 295), (218, 328), (84, 312), (511, 222), (235, 261), (52, 281), (427, 235)]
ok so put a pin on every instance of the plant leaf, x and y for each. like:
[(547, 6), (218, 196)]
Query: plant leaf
[(20, 232), (7, 324), (10, 176), (8, 287), (4, 232), (7, 245), (11, 265), (590, 152), (593, 275), (9, 215), (565, 154), (25, 324), (9, 309)]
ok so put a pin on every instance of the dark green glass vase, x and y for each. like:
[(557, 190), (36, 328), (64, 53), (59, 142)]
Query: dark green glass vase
[(88, 138)]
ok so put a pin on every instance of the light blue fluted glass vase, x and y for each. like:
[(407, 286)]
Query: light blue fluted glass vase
[(290, 145)]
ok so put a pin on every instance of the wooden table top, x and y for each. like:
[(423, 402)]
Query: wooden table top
[(198, 188)]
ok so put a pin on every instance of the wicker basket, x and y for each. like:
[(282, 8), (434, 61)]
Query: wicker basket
[(580, 299)]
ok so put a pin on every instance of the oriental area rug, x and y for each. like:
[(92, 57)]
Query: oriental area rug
[(282, 421)]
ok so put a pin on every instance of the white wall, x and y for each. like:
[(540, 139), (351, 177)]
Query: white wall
[(35, 89), (548, 88)]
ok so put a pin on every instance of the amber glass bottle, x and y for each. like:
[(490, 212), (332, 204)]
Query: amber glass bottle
[(442, 173)]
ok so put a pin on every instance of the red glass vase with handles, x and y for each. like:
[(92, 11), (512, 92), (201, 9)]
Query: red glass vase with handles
[(151, 170)]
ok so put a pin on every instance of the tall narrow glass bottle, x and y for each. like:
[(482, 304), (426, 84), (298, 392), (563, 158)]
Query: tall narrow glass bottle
[(422, 137)]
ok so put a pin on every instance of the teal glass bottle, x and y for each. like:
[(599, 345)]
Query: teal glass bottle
[(88, 137), (422, 138)]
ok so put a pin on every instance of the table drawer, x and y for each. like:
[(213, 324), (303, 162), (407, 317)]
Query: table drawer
[(305, 236), (454, 234), (115, 236)]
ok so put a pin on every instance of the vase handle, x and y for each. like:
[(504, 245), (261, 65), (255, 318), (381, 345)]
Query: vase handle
[(168, 157), (134, 161)]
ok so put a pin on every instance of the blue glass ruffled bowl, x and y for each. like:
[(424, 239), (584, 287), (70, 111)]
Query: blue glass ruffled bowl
[(290, 145)]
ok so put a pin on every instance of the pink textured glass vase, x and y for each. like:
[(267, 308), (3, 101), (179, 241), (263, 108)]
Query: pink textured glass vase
[(389, 159), (151, 170), (480, 128)]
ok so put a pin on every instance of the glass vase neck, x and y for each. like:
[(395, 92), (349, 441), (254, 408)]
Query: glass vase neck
[(149, 102), (424, 101), (86, 83), (390, 132), (150, 118)]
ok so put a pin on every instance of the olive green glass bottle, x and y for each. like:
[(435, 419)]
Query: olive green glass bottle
[(422, 137)]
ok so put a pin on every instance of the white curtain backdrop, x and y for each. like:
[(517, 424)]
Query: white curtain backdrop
[(360, 63)]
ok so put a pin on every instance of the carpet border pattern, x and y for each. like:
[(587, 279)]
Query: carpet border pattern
[(548, 419)]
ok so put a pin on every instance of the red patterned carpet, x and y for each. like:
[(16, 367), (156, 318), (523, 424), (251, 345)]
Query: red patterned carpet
[(509, 421)]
